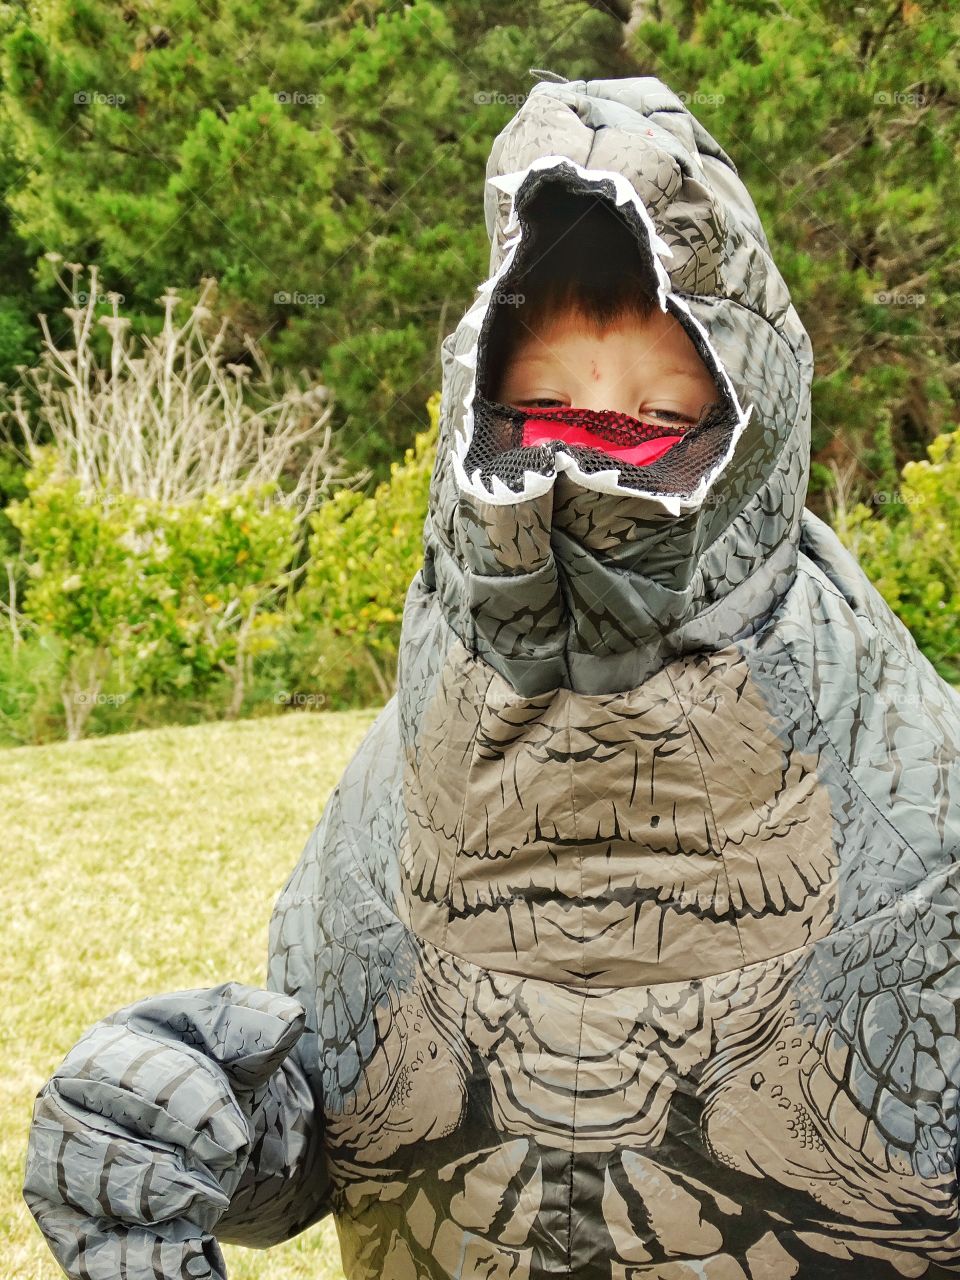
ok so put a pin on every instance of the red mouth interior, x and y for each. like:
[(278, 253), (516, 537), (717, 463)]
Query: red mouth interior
[(539, 429)]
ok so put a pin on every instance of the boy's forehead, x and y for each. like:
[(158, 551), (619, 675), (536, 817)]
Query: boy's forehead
[(537, 341), (575, 320)]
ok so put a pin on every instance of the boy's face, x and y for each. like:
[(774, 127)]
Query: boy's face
[(648, 368)]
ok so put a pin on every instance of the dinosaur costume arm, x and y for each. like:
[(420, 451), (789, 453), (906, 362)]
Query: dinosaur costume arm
[(177, 1116), (188, 1114)]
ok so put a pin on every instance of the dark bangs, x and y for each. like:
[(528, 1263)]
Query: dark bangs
[(583, 256)]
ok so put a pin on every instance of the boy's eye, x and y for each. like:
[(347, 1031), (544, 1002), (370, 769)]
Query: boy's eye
[(669, 414), (665, 415)]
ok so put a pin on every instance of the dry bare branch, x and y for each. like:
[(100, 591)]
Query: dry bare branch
[(167, 417)]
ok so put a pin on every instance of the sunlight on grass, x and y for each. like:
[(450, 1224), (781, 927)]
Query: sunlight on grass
[(145, 863)]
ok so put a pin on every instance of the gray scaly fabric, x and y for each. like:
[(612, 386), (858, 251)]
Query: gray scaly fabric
[(627, 945)]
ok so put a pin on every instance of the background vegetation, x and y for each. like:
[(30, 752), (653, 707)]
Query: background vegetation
[(297, 192), (140, 819), (233, 238)]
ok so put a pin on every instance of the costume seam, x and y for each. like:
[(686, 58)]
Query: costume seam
[(713, 816), (843, 764)]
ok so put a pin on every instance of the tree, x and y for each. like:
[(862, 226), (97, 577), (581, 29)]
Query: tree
[(160, 524), (843, 123), (324, 162)]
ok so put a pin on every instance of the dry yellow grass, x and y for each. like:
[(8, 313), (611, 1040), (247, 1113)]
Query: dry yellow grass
[(138, 864)]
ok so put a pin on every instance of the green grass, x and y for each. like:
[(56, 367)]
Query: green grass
[(138, 864)]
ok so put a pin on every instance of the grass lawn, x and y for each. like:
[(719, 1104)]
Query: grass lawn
[(138, 864)]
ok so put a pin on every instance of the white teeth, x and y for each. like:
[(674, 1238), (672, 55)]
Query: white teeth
[(605, 477), (535, 483), (473, 317), (624, 190), (502, 492), (508, 182), (458, 470), (671, 503)]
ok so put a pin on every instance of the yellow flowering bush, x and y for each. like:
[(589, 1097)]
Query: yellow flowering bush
[(912, 552), (364, 552)]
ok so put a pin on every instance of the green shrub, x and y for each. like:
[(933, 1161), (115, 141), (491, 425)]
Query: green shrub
[(18, 337), (364, 553), (158, 528), (912, 552), (345, 225), (842, 122), (152, 596), (30, 706), (12, 485)]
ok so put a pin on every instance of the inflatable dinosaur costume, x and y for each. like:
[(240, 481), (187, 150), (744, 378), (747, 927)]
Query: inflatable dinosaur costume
[(628, 944)]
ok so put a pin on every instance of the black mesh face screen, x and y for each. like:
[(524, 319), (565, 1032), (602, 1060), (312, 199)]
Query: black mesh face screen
[(497, 446)]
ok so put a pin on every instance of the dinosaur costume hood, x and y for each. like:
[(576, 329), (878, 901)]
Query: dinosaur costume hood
[(626, 945)]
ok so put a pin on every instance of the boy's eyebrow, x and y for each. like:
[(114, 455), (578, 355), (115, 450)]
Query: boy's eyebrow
[(684, 370), (532, 357)]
